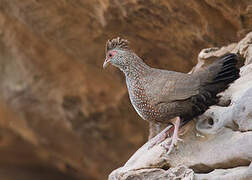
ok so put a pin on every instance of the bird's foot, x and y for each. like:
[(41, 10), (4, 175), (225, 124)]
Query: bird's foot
[(171, 144), (175, 137), (160, 137), (157, 140)]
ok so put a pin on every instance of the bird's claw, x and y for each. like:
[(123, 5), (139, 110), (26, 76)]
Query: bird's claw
[(168, 146), (159, 138), (179, 139)]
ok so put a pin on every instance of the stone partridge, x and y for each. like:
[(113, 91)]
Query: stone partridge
[(160, 95)]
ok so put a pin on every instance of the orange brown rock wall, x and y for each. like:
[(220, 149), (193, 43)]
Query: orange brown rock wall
[(57, 102)]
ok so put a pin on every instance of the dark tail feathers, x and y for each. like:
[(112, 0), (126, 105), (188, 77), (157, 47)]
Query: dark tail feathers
[(215, 79), (224, 72)]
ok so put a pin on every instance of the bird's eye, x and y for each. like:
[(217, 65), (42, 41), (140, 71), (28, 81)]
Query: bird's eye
[(110, 55)]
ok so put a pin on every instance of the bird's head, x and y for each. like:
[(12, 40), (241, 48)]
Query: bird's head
[(118, 53)]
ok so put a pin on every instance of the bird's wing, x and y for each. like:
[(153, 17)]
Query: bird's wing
[(169, 86)]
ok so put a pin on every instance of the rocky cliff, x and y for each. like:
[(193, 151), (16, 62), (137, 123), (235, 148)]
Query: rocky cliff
[(60, 112)]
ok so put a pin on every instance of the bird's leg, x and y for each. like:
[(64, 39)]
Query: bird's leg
[(161, 136), (175, 137)]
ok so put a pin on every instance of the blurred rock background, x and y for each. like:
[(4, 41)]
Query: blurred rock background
[(61, 115)]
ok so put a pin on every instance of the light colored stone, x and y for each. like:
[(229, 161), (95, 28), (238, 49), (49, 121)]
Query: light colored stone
[(180, 172), (238, 173)]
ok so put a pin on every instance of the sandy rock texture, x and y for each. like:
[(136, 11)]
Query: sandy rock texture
[(60, 113)]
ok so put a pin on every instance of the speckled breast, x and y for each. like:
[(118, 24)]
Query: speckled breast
[(141, 103)]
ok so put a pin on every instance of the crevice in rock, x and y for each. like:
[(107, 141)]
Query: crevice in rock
[(202, 168), (234, 126), (165, 167)]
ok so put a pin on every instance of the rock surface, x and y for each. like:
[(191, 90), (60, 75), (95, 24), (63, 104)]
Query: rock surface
[(217, 145), (58, 109)]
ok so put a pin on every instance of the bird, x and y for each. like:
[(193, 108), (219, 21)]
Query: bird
[(159, 95)]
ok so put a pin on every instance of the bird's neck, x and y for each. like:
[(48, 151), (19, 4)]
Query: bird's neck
[(137, 69), (136, 83)]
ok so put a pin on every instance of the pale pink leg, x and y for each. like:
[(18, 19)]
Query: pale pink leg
[(160, 137), (175, 138)]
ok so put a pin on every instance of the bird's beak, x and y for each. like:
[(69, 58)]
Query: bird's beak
[(106, 63)]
